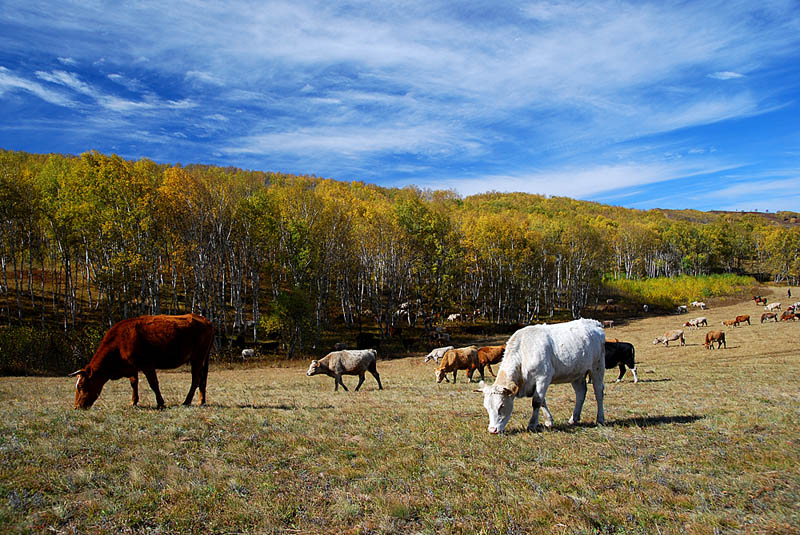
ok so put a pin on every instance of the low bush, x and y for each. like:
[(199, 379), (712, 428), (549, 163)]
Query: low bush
[(672, 291)]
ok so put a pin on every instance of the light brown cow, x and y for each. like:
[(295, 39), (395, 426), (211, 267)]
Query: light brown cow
[(670, 336), (728, 323), (490, 355), (464, 358), (147, 344), (347, 362), (715, 336), (741, 319)]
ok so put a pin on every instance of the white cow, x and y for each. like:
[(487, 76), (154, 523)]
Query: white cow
[(437, 353), (454, 317), (773, 307), (540, 355)]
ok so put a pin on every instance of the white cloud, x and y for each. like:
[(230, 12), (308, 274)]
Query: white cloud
[(725, 75), (579, 182), (9, 81)]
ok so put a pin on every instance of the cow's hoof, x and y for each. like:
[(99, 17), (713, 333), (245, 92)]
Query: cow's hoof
[(533, 428)]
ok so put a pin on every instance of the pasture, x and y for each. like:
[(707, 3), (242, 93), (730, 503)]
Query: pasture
[(706, 442)]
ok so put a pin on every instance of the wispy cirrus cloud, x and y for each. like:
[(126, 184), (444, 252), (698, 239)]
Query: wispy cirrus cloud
[(725, 75)]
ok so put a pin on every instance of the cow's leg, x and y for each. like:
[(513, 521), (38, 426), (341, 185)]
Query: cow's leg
[(490, 370), (373, 369), (454, 376), (196, 374), (538, 402), (360, 381), (621, 371), (483, 377), (599, 389), (135, 388), (152, 380), (339, 378), (579, 386), (635, 378), (203, 381)]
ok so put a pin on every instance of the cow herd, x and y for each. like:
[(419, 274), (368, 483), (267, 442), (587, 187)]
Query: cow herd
[(718, 336), (533, 358)]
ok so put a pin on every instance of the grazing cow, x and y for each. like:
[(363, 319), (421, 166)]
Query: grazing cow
[(608, 324), (773, 307), (621, 354), (715, 336), (147, 344), (741, 319), (670, 336), (490, 355), (697, 322), (698, 304), (540, 355), (347, 362), (609, 301), (464, 358), (248, 353), (683, 309), (786, 316), (766, 316), (437, 353), (454, 317), (728, 323)]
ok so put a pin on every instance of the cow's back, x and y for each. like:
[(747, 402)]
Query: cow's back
[(564, 352), (154, 342)]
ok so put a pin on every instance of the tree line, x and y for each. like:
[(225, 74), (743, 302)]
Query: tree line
[(99, 238)]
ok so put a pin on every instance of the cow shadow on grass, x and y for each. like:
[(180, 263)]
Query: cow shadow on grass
[(642, 422), (276, 406)]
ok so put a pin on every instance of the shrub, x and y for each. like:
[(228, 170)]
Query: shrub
[(671, 291)]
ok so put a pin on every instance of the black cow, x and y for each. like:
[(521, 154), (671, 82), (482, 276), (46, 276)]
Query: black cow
[(621, 354)]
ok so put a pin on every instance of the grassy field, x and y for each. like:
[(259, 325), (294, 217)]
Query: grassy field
[(706, 442)]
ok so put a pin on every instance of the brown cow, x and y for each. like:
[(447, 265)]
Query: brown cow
[(786, 316), (464, 358), (766, 316), (741, 319), (490, 355), (728, 323), (145, 344), (715, 336)]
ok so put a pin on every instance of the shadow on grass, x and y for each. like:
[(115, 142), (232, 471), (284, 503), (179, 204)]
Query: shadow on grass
[(279, 406), (644, 421)]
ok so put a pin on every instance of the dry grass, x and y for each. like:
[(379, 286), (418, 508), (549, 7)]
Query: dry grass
[(707, 442)]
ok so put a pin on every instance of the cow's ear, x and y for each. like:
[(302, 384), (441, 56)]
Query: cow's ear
[(510, 391)]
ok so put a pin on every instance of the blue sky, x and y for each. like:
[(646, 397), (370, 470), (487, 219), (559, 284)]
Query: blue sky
[(640, 104)]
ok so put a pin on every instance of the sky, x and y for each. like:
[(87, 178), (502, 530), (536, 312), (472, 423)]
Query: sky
[(692, 104)]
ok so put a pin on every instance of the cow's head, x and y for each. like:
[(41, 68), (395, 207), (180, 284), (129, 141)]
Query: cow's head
[(440, 375), (87, 388), (314, 368), (498, 400)]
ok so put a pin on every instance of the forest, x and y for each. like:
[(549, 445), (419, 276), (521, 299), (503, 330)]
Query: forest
[(88, 240)]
